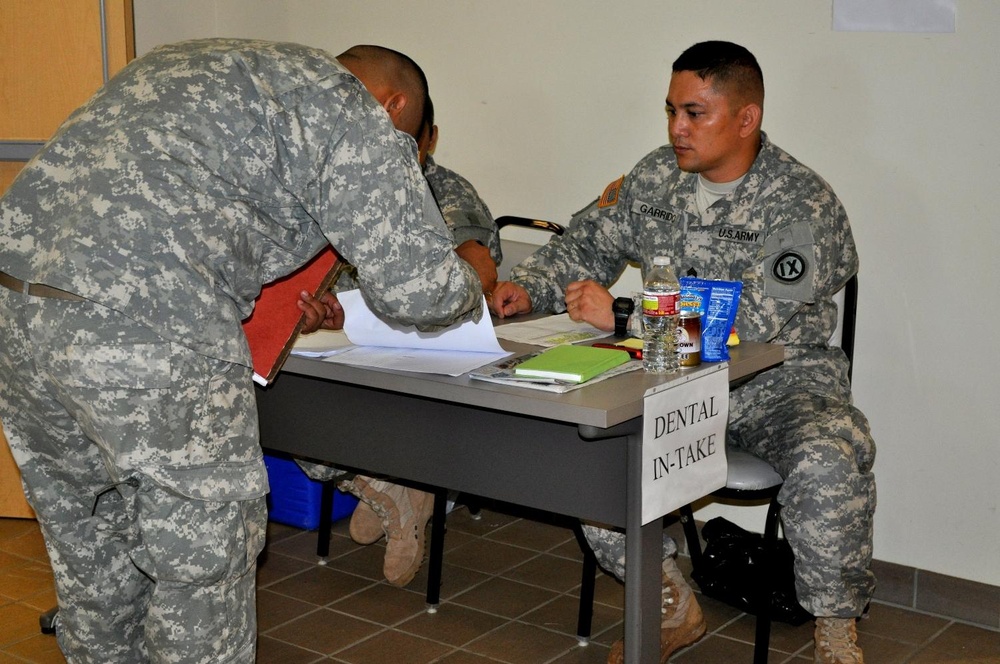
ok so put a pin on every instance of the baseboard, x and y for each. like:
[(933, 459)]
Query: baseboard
[(938, 594), (919, 590)]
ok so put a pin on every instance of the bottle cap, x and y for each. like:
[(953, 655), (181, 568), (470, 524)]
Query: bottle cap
[(661, 260)]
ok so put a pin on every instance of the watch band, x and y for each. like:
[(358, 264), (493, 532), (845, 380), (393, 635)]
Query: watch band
[(622, 308)]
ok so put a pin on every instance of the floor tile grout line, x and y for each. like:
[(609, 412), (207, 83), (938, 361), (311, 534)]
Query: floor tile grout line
[(918, 648), (930, 614)]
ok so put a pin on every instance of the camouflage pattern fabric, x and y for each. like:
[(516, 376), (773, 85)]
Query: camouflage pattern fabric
[(609, 547), (322, 472), (140, 459), (205, 169), (468, 218), (464, 211), (786, 236), (200, 172)]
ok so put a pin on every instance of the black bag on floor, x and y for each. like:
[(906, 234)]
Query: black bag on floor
[(735, 562)]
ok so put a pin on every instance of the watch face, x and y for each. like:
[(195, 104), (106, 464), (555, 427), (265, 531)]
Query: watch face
[(623, 305)]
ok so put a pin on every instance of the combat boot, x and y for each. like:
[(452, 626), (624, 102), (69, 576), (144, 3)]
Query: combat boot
[(366, 525), (682, 622), (405, 530), (836, 642), (403, 514)]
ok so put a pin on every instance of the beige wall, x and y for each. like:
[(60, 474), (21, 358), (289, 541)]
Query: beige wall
[(541, 104)]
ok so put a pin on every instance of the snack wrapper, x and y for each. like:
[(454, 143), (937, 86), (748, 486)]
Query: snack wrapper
[(717, 301)]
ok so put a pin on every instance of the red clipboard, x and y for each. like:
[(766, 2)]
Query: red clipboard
[(276, 320)]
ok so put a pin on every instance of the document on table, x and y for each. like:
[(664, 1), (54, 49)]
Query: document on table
[(373, 342), (321, 343), (549, 331)]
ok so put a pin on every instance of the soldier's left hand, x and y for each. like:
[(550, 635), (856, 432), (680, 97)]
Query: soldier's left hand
[(323, 312)]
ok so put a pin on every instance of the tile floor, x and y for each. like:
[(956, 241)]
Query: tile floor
[(509, 595)]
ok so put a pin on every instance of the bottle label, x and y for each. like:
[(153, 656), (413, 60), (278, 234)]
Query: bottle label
[(660, 304)]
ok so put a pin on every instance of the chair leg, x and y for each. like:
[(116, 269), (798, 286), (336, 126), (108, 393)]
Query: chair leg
[(436, 561), (49, 621), (691, 535), (473, 505), (762, 637), (325, 520), (585, 617)]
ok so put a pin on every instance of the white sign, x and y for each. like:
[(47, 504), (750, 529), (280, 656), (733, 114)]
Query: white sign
[(684, 442)]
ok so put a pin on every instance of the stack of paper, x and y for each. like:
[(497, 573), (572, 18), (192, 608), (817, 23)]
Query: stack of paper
[(375, 343)]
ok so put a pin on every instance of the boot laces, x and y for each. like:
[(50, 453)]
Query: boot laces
[(837, 639)]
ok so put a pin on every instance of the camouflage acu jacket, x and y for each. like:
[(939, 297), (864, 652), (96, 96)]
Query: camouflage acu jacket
[(782, 232), (464, 211), (207, 168)]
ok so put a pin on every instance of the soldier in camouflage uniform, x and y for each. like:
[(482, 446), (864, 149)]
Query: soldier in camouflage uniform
[(477, 238), (386, 509), (131, 248), (725, 203)]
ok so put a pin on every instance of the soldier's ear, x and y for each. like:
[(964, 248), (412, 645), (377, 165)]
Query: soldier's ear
[(394, 105), (749, 118)]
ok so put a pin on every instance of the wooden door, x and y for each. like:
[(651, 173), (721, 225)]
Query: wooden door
[(54, 54)]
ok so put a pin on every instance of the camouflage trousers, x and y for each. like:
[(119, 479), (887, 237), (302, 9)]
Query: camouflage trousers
[(322, 472), (141, 460), (824, 450)]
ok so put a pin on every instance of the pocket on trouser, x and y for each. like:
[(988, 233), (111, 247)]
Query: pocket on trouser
[(196, 541), (202, 556)]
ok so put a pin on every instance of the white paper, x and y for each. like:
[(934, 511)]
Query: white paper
[(364, 328), (368, 341), (894, 15), (420, 360), (549, 331), (321, 343)]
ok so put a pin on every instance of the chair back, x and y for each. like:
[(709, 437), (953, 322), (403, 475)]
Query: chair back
[(847, 309), (515, 251)]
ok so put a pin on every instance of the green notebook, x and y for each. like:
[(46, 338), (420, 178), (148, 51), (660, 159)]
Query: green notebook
[(573, 364)]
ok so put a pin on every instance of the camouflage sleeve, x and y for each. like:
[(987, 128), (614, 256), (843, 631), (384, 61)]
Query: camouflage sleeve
[(808, 255), (375, 207), (465, 213), (597, 245)]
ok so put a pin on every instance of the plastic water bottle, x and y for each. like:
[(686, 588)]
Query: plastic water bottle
[(660, 317)]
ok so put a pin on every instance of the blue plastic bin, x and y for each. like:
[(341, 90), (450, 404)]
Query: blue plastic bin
[(295, 499)]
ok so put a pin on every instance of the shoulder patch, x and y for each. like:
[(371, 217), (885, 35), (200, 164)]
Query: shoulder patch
[(789, 267), (610, 195)]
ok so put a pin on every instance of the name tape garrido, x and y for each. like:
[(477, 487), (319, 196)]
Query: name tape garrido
[(684, 441)]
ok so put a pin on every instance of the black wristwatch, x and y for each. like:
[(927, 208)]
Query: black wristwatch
[(622, 308)]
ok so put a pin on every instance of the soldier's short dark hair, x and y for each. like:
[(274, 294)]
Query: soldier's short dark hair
[(427, 121), (731, 68), (399, 69)]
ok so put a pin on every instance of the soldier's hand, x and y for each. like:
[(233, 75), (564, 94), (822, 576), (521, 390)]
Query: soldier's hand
[(323, 312), (508, 299), (590, 302)]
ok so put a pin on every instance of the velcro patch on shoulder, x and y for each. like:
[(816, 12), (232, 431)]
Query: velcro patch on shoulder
[(790, 267), (610, 195)]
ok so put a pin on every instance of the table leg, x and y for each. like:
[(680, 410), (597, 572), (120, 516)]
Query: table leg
[(436, 561), (643, 561)]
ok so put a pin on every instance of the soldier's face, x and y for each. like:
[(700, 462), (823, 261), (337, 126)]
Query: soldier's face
[(704, 128)]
